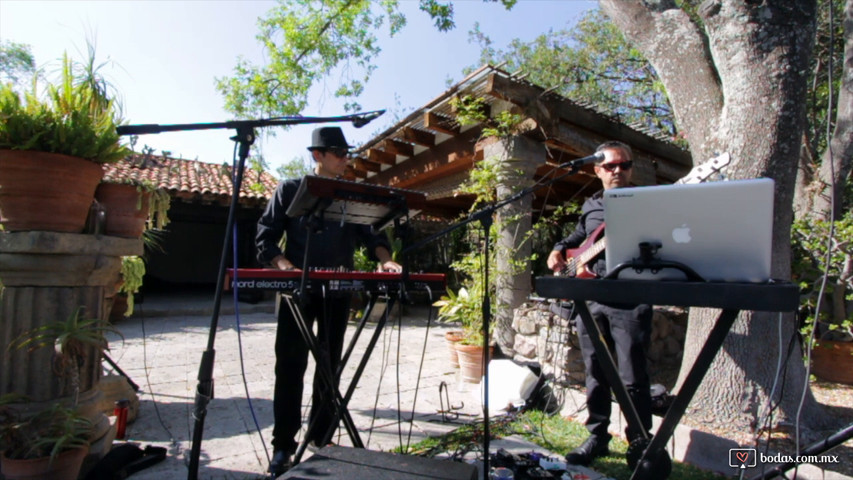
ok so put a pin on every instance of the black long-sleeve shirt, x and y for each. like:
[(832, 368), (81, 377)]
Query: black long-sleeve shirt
[(332, 247)]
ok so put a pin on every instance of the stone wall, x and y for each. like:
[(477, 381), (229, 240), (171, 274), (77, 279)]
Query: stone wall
[(543, 337)]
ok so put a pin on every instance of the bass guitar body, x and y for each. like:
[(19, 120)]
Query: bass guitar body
[(577, 259)]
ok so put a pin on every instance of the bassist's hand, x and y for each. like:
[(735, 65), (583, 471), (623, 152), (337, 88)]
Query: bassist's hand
[(556, 262)]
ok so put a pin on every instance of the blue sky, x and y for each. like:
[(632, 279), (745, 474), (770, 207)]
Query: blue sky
[(165, 56)]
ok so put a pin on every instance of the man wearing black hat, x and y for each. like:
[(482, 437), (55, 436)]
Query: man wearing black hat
[(331, 248)]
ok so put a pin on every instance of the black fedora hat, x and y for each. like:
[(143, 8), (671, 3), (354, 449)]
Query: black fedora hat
[(328, 137)]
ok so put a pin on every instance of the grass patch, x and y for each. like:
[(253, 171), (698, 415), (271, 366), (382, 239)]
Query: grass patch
[(553, 433)]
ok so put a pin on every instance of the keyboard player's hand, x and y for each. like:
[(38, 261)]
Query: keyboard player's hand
[(282, 263), (390, 266)]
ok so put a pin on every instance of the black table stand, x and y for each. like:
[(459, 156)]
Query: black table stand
[(329, 378), (647, 456), (397, 208)]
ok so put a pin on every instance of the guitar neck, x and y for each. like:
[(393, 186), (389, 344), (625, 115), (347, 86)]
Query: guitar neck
[(589, 253)]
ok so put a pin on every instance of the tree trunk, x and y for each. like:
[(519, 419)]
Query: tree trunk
[(737, 85), (837, 161)]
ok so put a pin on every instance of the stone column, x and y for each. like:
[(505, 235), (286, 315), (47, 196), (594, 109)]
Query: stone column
[(46, 277), (519, 156)]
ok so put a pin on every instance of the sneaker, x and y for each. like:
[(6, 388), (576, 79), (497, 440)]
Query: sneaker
[(281, 462), (592, 448)]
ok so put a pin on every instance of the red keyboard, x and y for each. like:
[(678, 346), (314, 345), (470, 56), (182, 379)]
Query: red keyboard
[(332, 280)]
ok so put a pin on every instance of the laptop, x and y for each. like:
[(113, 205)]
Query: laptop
[(722, 230)]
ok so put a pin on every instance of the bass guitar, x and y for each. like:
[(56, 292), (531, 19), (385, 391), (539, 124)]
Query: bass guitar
[(577, 259)]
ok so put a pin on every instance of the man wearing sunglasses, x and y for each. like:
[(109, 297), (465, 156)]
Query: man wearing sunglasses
[(331, 248), (626, 328)]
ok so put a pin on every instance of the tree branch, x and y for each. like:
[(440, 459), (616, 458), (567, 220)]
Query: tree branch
[(688, 73), (837, 160)]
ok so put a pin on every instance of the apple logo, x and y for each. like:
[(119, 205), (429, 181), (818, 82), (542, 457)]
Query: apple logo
[(681, 234)]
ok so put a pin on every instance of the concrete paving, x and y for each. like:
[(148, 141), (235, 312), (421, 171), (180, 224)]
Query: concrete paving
[(399, 400), (162, 350)]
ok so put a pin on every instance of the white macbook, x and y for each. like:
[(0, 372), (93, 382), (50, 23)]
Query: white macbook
[(722, 230)]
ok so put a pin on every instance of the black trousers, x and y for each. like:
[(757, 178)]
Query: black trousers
[(627, 332), (291, 360)]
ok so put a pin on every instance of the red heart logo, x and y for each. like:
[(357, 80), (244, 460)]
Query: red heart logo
[(742, 456)]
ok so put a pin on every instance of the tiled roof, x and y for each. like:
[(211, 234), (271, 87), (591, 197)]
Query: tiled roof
[(192, 180)]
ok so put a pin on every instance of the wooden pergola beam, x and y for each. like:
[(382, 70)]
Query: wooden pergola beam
[(392, 145), (366, 165), (381, 157), (441, 124), (419, 137), (528, 96)]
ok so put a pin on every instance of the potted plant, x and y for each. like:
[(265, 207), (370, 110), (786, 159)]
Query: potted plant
[(49, 444), (826, 307), (52, 148), (31, 432), (72, 339), (465, 307), (132, 206)]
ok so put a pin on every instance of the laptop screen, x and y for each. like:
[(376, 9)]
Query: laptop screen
[(722, 230)]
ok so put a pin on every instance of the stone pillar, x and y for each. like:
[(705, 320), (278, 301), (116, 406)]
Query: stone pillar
[(46, 277), (519, 156)]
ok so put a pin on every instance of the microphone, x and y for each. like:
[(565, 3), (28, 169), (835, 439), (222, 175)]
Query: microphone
[(366, 118), (577, 163)]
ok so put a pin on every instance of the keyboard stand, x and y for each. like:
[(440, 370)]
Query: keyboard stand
[(329, 378), (647, 456)]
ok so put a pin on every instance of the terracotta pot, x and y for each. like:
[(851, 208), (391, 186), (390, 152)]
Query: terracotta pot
[(833, 361), (46, 191), (118, 308), (66, 466), (126, 209), (453, 337), (471, 361)]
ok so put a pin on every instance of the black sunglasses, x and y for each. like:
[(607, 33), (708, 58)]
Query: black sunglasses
[(611, 167), (338, 152)]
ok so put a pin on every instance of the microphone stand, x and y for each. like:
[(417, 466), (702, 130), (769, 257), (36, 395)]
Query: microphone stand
[(485, 217), (245, 136)]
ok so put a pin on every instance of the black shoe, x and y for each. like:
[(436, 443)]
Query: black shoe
[(281, 462), (592, 448), (314, 446)]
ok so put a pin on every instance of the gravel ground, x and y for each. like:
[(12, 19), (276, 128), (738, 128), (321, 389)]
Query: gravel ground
[(836, 397)]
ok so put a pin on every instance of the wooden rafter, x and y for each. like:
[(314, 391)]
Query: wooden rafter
[(397, 147), (419, 137), (366, 165), (441, 124), (380, 157)]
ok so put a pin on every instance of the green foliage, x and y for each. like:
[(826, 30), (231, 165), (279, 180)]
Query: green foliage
[(472, 110), (362, 261), (44, 434), (306, 41), (158, 209), (309, 41), (482, 182), (809, 247), (591, 62), (132, 272), (16, 62), (77, 117), (296, 168), (69, 338)]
